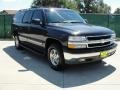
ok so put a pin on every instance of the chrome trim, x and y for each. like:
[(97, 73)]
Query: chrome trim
[(92, 42), (101, 46), (69, 56), (100, 35), (99, 41)]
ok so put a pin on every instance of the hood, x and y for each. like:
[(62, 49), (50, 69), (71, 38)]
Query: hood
[(83, 29)]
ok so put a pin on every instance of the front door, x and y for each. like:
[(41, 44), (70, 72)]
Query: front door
[(37, 33)]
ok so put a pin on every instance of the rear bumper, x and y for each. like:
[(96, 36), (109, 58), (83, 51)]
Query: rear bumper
[(81, 57)]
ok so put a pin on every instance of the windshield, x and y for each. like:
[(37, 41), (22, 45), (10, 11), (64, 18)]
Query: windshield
[(63, 16)]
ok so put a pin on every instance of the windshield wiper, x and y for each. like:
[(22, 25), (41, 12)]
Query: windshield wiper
[(55, 22), (67, 21), (72, 21)]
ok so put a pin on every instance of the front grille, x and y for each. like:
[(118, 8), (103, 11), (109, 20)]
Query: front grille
[(99, 41), (99, 44), (98, 37)]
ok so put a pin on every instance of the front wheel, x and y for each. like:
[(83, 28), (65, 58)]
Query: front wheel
[(55, 57)]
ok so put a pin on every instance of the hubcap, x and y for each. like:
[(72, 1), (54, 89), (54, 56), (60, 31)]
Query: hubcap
[(16, 42), (54, 57)]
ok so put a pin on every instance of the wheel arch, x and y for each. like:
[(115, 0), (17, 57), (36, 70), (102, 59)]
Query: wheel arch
[(50, 41)]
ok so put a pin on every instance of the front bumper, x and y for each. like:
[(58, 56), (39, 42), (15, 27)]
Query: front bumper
[(83, 57)]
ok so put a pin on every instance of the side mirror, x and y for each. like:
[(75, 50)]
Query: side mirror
[(86, 20), (37, 21)]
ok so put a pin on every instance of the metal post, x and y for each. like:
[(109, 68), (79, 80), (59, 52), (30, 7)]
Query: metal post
[(4, 26), (108, 20)]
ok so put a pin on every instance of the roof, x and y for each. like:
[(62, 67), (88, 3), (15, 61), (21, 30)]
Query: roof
[(34, 8)]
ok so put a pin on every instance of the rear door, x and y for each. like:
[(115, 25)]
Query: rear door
[(25, 25)]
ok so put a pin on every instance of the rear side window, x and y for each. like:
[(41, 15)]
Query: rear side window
[(18, 17), (37, 15), (27, 17)]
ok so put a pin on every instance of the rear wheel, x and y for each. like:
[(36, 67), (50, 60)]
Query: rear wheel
[(17, 42), (55, 57)]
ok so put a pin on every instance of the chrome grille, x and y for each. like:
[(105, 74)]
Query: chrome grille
[(99, 41), (98, 37)]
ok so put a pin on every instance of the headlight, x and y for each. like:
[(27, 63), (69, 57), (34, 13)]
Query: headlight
[(77, 38), (77, 42), (113, 37)]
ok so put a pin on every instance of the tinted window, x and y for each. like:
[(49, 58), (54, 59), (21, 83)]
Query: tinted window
[(18, 17), (37, 15), (27, 17)]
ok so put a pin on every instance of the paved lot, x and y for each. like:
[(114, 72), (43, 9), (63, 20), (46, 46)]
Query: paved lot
[(23, 70)]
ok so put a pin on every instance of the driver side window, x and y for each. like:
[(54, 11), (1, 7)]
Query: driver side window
[(37, 16)]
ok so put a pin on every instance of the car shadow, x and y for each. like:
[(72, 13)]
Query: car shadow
[(74, 75)]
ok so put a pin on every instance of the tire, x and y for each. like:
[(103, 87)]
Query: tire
[(17, 43), (55, 57)]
